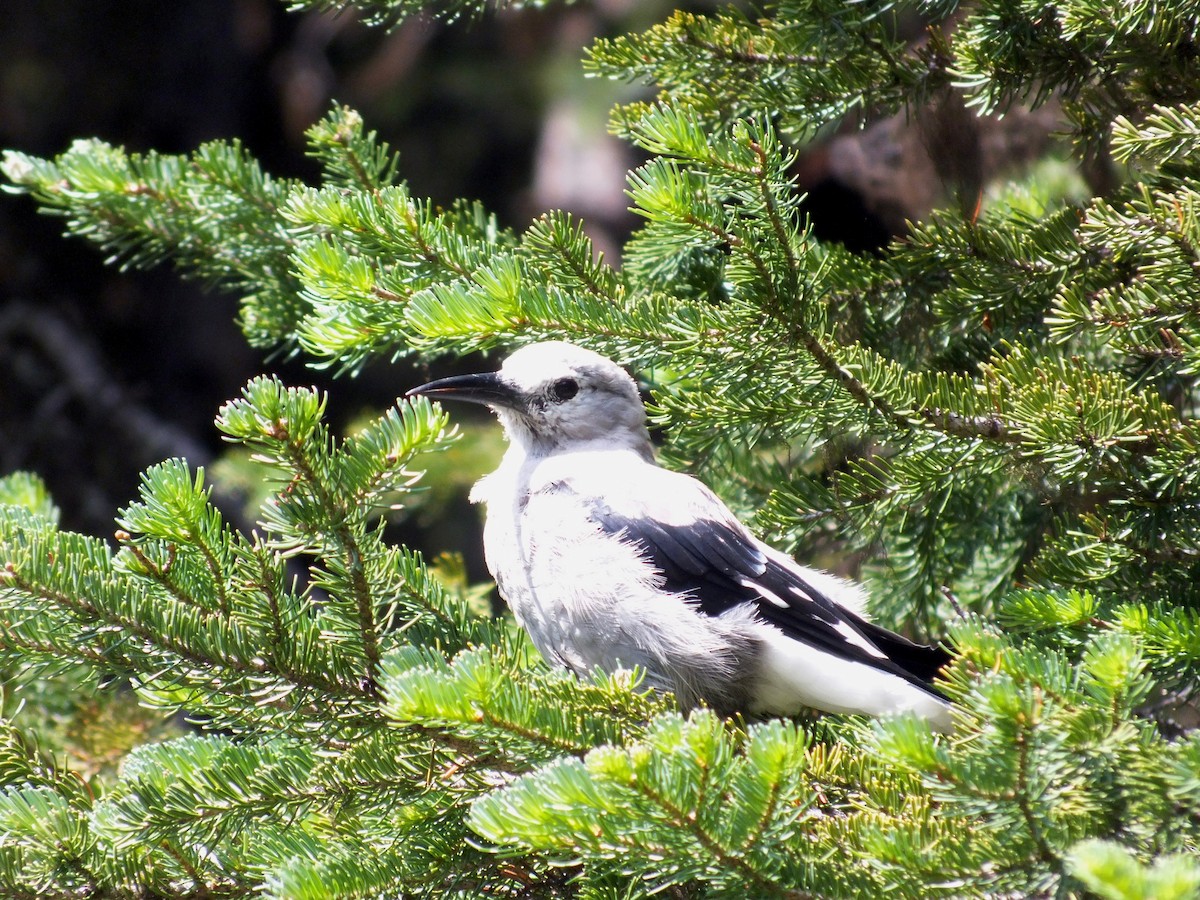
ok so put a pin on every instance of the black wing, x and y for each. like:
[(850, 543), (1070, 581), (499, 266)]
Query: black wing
[(719, 565)]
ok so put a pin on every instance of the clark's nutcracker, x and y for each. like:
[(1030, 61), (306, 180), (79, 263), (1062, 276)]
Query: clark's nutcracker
[(609, 561)]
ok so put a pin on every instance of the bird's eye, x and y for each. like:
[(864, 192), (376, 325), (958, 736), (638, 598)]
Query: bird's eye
[(564, 389)]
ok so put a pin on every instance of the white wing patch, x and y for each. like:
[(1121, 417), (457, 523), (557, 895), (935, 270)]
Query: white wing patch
[(852, 636), (770, 596)]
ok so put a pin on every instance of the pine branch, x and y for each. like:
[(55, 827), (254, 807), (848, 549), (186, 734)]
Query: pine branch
[(1163, 136), (390, 13)]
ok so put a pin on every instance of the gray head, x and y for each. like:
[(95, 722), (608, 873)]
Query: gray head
[(554, 396)]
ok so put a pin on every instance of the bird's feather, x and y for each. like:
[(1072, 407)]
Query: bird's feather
[(722, 566)]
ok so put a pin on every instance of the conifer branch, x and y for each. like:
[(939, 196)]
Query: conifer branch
[(347, 545), (202, 890), (161, 574), (989, 428), (745, 56), (345, 137), (216, 573), (1021, 793), (553, 741), (88, 610), (266, 583), (688, 822), (782, 238)]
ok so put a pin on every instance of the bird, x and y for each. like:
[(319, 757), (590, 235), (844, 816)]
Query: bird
[(611, 562)]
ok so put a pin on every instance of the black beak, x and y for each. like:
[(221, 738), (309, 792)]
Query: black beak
[(487, 388)]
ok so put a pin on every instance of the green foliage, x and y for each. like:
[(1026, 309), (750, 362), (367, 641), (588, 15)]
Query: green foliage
[(729, 65), (1057, 755), (1111, 872), (26, 491), (1103, 60), (995, 420), (393, 12), (692, 807)]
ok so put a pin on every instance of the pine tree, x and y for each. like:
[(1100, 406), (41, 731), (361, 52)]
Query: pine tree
[(998, 415)]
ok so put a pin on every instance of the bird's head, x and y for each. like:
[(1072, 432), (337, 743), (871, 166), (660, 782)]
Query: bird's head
[(554, 396)]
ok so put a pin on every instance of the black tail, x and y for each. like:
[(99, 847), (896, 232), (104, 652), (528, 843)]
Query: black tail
[(920, 660)]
